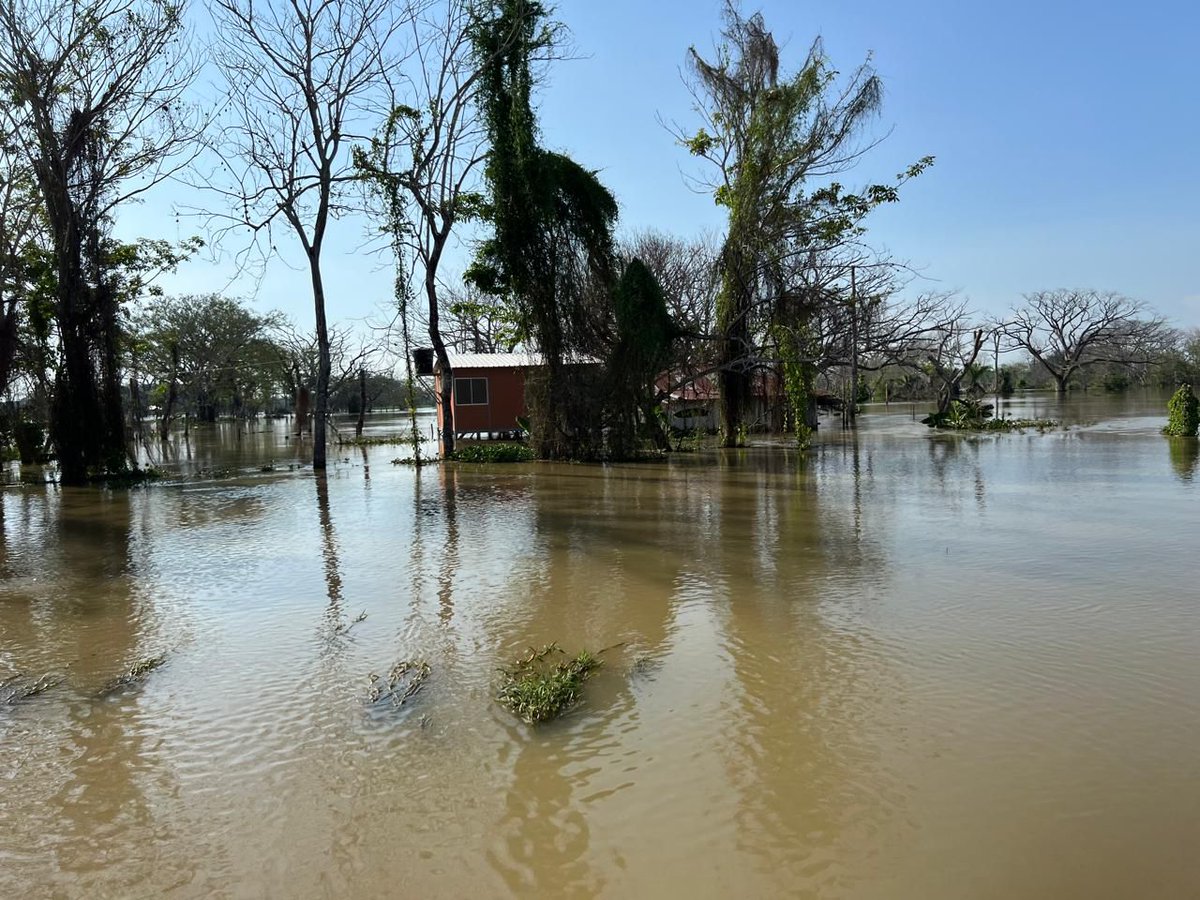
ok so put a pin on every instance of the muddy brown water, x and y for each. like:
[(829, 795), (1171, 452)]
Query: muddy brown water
[(906, 666)]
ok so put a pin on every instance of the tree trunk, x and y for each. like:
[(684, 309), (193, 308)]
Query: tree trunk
[(8, 342), (852, 409), (439, 345), (362, 402), (323, 363), (164, 428), (302, 403)]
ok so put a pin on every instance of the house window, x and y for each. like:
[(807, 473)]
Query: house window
[(470, 391)]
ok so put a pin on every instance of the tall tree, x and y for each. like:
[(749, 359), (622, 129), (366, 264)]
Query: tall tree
[(306, 78), (19, 228), (424, 163), (552, 246), (93, 101), (1069, 330), (776, 142)]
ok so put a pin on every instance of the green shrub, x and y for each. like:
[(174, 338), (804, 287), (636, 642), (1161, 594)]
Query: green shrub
[(493, 453), (540, 688), (1183, 411)]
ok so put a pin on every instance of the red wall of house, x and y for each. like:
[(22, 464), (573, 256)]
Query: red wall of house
[(506, 401)]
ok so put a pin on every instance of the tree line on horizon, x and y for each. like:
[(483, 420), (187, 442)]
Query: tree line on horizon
[(422, 115)]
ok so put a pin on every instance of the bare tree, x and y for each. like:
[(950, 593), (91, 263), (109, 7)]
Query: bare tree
[(307, 78), (950, 355), (475, 322), (299, 359), (689, 273), (1069, 330), (94, 106), (423, 162)]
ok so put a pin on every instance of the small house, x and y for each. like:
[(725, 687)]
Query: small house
[(488, 394)]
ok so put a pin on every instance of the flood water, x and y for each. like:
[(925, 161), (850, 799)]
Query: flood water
[(903, 666)]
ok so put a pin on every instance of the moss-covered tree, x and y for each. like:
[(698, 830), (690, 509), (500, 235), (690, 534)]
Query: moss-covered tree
[(551, 250), (776, 142)]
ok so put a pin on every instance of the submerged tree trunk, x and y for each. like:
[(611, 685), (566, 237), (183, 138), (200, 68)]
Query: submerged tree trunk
[(323, 363), (439, 349), (362, 402), (164, 428)]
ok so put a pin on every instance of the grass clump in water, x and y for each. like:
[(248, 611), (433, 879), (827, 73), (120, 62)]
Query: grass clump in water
[(404, 681), (542, 686), (136, 674), (493, 453)]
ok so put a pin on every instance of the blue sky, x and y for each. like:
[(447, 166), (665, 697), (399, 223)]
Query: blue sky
[(1067, 140)]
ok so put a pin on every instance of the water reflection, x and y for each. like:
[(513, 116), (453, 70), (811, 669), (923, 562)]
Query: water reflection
[(1185, 457), (329, 551), (71, 608)]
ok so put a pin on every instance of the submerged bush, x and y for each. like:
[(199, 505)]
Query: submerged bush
[(404, 681), (542, 686), (974, 415), (493, 453), (1183, 411)]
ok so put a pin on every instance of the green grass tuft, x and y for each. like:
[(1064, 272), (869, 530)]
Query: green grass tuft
[(543, 685)]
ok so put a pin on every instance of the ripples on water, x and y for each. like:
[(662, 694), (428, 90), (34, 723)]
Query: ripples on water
[(906, 665)]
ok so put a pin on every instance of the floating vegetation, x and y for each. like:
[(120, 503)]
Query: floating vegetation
[(128, 478), (645, 666), (974, 415), (344, 627), (403, 682), (493, 453), (136, 674), (543, 685), (383, 441), (18, 690)]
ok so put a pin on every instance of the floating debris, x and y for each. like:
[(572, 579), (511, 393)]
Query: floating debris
[(17, 691), (541, 686), (344, 627), (645, 666), (403, 682), (136, 674)]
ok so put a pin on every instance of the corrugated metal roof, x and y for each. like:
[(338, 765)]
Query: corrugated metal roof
[(494, 360), (507, 360)]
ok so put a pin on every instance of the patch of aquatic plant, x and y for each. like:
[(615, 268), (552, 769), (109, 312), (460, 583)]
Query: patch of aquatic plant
[(1183, 413), (16, 688), (129, 478), (974, 415), (414, 462), (403, 682), (379, 441), (545, 683), (493, 453), (135, 675)]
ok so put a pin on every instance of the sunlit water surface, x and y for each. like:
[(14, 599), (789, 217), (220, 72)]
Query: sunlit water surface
[(905, 665)]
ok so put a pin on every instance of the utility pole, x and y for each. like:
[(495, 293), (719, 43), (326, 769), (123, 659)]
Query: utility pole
[(996, 367)]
